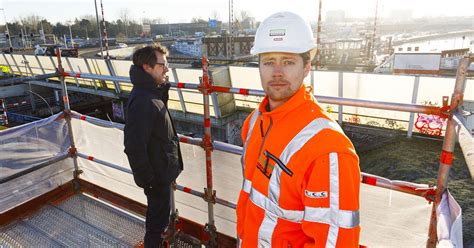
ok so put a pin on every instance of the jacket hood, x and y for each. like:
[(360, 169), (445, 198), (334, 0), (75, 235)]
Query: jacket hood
[(141, 78)]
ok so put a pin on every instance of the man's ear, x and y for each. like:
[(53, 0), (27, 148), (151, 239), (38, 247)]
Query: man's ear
[(146, 67), (307, 69)]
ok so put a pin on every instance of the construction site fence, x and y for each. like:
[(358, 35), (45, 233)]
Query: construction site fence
[(110, 78)]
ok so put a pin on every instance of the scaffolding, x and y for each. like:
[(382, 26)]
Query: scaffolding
[(452, 112)]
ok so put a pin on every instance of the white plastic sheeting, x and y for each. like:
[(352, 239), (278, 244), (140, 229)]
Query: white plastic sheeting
[(105, 143), (388, 218), (26, 147), (103, 140), (449, 225)]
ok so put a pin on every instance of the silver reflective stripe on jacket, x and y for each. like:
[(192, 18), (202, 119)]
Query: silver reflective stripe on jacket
[(252, 121), (345, 218), (247, 186), (334, 199), (270, 221), (274, 209)]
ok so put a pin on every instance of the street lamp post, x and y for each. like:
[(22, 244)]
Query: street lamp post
[(70, 35), (6, 27), (43, 36), (98, 27)]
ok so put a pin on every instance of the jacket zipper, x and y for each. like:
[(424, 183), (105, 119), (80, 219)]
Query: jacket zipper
[(278, 162), (264, 135)]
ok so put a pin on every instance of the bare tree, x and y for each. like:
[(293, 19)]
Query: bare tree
[(125, 18), (90, 18), (198, 19), (158, 20), (243, 15), (30, 23)]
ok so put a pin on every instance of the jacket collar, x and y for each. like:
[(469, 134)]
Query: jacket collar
[(297, 100), (140, 78)]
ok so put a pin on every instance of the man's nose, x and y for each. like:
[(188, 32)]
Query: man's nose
[(277, 70)]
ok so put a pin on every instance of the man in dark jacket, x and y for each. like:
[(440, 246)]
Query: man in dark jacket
[(151, 141)]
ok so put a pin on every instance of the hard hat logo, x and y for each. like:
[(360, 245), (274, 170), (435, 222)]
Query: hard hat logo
[(284, 32), (277, 32)]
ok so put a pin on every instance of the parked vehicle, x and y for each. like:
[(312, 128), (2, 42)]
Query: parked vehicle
[(121, 45), (50, 50)]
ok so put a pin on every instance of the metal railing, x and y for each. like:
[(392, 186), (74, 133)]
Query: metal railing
[(107, 78)]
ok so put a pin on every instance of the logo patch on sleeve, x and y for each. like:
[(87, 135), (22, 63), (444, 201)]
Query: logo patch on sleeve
[(319, 194)]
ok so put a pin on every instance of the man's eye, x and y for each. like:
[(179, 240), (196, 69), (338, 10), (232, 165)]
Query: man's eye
[(268, 63), (289, 62)]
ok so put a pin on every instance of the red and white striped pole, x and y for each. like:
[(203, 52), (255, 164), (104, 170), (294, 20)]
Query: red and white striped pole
[(422, 190), (206, 88), (202, 195), (105, 31), (67, 115)]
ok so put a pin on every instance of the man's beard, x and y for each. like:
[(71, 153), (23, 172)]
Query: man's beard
[(282, 93), (162, 80)]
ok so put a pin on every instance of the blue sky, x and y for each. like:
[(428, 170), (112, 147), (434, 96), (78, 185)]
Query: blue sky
[(184, 10)]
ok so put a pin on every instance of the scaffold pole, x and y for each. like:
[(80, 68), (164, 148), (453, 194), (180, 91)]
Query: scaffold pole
[(206, 88), (446, 158), (67, 116)]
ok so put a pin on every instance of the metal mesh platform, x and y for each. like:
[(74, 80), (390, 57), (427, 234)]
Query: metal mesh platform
[(80, 221), (185, 241), (110, 220), (70, 231), (20, 234), (77, 222)]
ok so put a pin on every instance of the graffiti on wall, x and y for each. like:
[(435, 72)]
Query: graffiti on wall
[(430, 124)]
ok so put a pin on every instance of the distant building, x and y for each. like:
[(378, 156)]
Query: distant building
[(328, 51), (335, 16), (249, 23)]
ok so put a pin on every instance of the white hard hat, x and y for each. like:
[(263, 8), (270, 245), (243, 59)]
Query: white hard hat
[(284, 32)]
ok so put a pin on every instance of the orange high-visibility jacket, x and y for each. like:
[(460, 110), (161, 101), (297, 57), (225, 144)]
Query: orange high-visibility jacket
[(301, 179)]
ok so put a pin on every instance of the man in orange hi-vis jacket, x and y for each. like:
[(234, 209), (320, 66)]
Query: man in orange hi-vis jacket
[(301, 173)]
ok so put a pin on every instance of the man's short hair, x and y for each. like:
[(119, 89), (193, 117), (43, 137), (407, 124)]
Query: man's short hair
[(306, 56), (146, 55)]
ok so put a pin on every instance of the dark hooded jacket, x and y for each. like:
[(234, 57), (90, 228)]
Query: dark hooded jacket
[(151, 141)]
